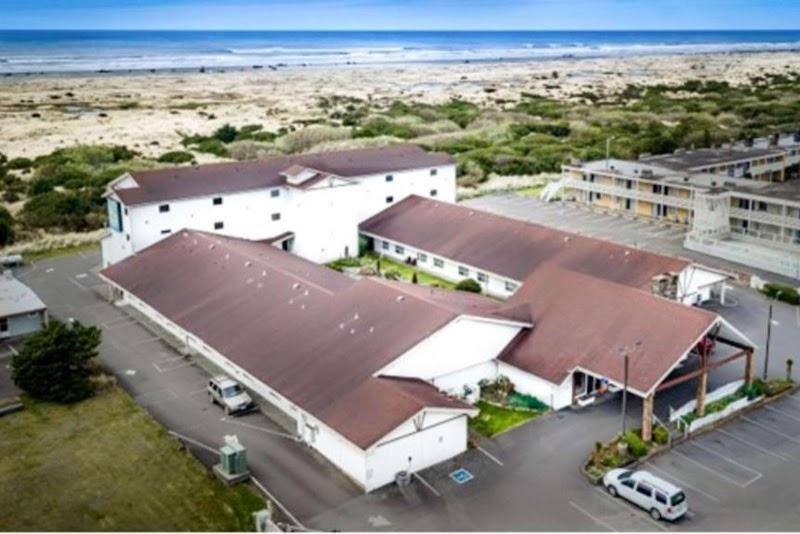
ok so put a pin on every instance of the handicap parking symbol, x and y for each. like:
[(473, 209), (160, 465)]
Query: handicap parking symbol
[(461, 476)]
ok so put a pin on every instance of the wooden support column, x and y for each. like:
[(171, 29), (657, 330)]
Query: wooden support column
[(748, 367), (702, 385), (647, 418)]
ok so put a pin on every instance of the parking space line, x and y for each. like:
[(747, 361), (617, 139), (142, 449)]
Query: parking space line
[(490, 456), (117, 321), (681, 482), (753, 445), (781, 434), (592, 517), (781, 412), (172, 368), (713, 471), (259, 428), (78, 284), (144, 341), (731, 460), (427, 484), (629, 506)]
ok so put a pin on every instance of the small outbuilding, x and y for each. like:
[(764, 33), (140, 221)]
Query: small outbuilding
[(21, 310)]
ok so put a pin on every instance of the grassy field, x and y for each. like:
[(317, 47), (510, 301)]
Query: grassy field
[(494, 419), (104, 464)]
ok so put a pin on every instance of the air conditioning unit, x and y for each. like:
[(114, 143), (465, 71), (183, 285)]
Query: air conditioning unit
[(232, 466)]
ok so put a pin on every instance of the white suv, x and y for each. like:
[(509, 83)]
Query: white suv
[(657, 496), (229, 394)]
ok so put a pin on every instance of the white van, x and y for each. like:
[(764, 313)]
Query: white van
[(660, 498)]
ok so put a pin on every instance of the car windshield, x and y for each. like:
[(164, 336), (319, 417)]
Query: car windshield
[(678, 498), (625, 474), (231, 391)]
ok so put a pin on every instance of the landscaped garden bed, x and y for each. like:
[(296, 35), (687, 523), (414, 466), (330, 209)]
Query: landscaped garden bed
[(370, 264), (622, 451), (502, 408)]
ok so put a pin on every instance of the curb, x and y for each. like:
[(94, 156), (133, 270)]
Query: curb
[(11, 408)]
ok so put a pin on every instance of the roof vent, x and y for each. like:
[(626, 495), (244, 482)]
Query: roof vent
[(248, 263), (627, 252), (341, 326), (296, 285), (371, 329), (352, 331), (566, 239), (400, 298), (194, 241), (211, 246), (227, 255), (263, 273), (355, 317)]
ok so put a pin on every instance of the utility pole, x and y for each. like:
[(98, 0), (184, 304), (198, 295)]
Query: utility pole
[(625, 353), (769, 335)]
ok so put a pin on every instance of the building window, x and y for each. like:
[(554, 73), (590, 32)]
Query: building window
[(275, 193), (422, 258), (385, 245), (434, 172), (483, 277), (163, 208), (389, 200), (399, 250), (3, 325), (511, 286), (276, 216), (218, 225), (217, 201), (390, 177), (434, 192), (463, 271), (165, 232), (438, 262)]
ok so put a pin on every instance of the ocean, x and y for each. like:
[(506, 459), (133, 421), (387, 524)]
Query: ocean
[(23, 51)]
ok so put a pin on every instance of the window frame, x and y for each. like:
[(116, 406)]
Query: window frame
[(390, 199), (275, 216), (274, 193), (163, 208), (438, 262), (216, 201), (219, 225)]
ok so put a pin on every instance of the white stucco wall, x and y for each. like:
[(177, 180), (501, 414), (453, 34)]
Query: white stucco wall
[(462, 343), (323, 218), (495, 284), (429, 438), (557, 396)]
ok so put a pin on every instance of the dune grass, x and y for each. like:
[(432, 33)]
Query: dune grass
[(105, 464)]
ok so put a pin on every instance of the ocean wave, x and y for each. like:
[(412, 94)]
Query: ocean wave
[(442, 51)]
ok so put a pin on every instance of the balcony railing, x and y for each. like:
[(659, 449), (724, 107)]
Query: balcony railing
[(766, 218), (667, 200)]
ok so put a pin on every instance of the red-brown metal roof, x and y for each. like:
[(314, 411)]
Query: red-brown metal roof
[(182, 182), (583, 321), (313, 335), (509, 247)]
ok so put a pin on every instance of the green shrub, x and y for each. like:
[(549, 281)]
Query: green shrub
[(521, 400), (661, 435), (68, 211), (782, 292), (213, 146), (378, 127), (6, 227), (20, 163), (225, 134), (55, 363), (468, 284), (636, 446), (176, 156), (392, 275)]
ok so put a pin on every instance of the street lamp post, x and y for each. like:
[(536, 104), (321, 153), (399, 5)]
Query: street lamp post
[(625, 352), (769, 334)]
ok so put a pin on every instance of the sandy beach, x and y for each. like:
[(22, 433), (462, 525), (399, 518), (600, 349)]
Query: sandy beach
[(149, 112)]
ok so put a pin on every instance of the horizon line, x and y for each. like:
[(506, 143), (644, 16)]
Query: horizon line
[(331, 30)]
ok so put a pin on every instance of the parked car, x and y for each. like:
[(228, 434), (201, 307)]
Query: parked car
[(229, 394), (660, 498)]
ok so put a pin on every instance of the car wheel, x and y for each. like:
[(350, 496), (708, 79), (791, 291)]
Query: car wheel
[(655, 514), (612, 491), (227, 410)]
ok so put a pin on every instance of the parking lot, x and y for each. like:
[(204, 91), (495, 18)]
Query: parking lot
[(659, 237)]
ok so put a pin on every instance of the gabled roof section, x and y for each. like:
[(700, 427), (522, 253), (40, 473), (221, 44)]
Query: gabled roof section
[(16, 298), (509, 247), (163, 185), (583, 322), (312, 334)]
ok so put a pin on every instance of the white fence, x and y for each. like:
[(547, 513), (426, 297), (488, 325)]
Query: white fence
[(724, 391)]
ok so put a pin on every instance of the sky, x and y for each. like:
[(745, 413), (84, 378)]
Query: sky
[(400, 14)]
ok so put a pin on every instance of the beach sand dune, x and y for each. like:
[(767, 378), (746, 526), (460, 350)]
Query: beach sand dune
[(149, 112)]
